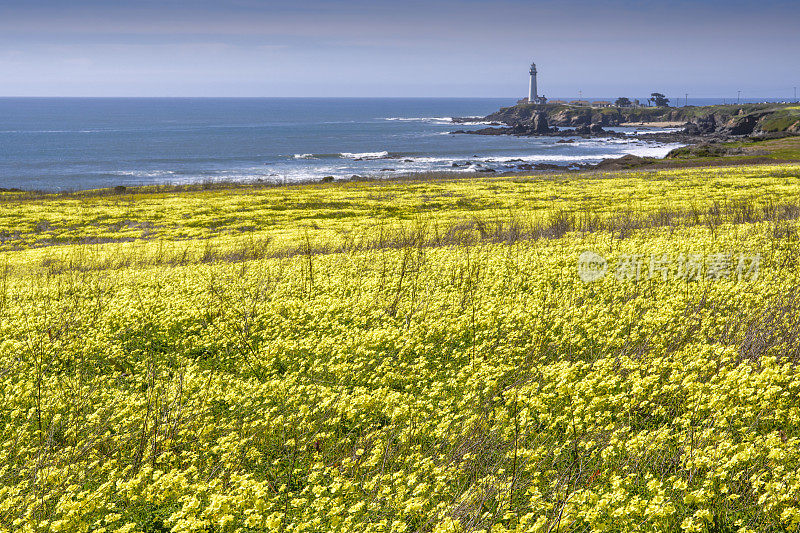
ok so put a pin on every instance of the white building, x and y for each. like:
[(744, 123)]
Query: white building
[(533, 96)]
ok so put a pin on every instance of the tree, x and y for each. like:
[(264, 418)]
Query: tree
[(622, 102), (659, 100)]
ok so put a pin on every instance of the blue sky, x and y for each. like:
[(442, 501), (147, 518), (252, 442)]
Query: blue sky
[(400, 48)]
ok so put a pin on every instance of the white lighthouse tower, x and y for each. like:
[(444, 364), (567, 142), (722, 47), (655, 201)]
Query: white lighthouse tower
[(532, 96)]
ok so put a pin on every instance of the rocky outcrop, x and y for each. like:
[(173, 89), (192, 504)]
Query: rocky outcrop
[(625, 162), (513, 115), (585, 129), (488, 131), (580, 117), (539, 124), (533, 124), (740, 125), (699, 150), (713, 149), (705, 125), (720, 121)]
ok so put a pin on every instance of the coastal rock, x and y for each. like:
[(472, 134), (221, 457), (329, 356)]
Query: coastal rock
[(710, 149), (690, 129), (512, 115), (491, 131), (624, 162), (702, 126), (706, 123), (539, 123), (698, 150), (720, 120), (548, 166), (471, 120), (608, 117), (741, 125), (572, 117)]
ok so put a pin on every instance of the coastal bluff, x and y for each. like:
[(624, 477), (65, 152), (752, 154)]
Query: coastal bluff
[(721, 120)]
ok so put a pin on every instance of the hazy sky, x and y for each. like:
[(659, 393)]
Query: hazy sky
[(398, 48)]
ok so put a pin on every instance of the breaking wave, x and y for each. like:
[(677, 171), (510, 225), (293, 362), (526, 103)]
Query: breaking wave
[(364, 155), (429, 120)]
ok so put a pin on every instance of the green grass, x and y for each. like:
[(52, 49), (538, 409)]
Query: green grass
[(780, 121)]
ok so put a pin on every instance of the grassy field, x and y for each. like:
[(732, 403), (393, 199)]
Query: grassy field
[(408, 355), (786, 149)]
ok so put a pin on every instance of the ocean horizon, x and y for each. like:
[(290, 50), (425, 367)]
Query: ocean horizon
[(70, 143)]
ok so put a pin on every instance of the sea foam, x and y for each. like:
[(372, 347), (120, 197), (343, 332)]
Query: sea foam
[(430, 120), (364, 155)]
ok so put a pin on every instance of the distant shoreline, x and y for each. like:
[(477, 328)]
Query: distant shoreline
[(143, 143), (664, 124), (785, 150)]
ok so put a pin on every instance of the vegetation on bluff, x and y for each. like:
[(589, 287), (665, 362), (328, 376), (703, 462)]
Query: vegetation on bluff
[(734, 119), (404, 356)]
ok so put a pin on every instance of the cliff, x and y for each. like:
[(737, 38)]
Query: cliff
[(745, 119)]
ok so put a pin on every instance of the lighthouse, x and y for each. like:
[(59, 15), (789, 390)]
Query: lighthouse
[(532, 96)]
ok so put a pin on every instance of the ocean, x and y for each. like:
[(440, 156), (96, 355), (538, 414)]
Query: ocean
[(62, 144)]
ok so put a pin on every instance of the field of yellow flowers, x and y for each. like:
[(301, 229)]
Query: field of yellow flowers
[(577, 352)]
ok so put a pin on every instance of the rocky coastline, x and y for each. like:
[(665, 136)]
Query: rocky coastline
[(698, 126)]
